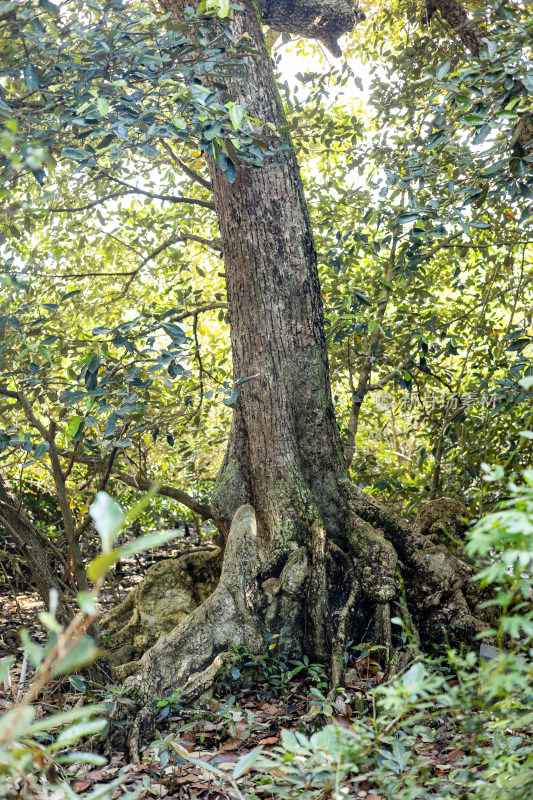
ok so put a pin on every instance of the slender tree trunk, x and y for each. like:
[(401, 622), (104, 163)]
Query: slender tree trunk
[(16, 523), (366, 367), (285, 445)]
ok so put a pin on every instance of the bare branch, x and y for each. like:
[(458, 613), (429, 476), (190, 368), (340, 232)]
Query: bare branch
[(99, 201), (212, 243), (84, 524), (168, 198), (200, 310), (191, 173), (142, 484), (390, 375)]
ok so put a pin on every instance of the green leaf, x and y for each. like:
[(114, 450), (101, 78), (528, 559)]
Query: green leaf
[(31, 77), (77, 155), (58, 720), (68, 295), (231, 401), (83, 653), (49, 621), (87, 602), (223, 8), (108, 519), (78, 731), (17, 722), (231, 171), (236, 115), (73, 427), (443, 70), (245, 762), (414, 675), (526, 382), (34, 652), (41, 448), (406, 217), (5, 666), (474, 119), (148, 542), (103, 106), (77, 682), (141, 504), (496, 167), (82, 757), (99, 566)]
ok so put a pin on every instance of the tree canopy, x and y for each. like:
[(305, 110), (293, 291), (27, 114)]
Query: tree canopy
[(114, 321)]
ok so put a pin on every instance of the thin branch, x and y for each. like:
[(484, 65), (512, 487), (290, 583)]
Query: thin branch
[(8, 392), (99, 201), (200, 310), (146, 259), (142, 484), (372, 387), (191, 173), (212, 243), (503, 243), (84, 524), (366, 368), (169, 198)]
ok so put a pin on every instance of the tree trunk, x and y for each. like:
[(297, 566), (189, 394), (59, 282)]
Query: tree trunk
[(26, 537), (305, 550)]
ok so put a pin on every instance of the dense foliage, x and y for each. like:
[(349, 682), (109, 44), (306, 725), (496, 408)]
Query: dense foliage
[(114, 322)]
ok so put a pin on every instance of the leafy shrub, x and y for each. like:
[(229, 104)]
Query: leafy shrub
[(35, 754), (479, 709)]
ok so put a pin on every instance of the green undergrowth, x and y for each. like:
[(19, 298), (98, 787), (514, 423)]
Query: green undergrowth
[(456, 724)]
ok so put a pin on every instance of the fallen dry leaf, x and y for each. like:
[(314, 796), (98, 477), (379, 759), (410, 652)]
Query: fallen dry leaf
[(231, 744), (343, 722), (80, 786), (269, 740), (457, 753), (270, 710)]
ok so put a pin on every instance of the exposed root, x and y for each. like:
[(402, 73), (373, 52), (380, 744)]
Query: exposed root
[(438, 585), (142, 730), (228, 617), (325, 594), (338, 663), (168, 593), (317, 597), (382, 625), (444, 522), (200, 683)]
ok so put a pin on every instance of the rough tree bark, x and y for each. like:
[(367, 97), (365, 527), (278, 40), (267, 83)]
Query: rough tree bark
[(470, 34), (456, 16), (304, 548)]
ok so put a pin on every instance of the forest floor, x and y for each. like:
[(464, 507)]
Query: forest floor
[(216, 732)]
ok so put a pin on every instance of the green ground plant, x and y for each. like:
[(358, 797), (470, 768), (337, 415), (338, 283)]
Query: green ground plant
[(37, 754), (481, 703)]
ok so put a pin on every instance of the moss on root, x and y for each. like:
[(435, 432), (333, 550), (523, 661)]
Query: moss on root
[(167, 594)]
